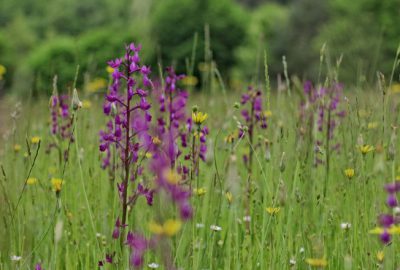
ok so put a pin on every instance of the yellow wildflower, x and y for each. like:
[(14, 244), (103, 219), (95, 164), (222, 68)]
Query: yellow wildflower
[(395, 88), (148, 155), (366, 148), (172, 227), (391, 230), (199, 117), (199, 191), (230, 138), (3, 71), (156, 140), (109, 70), (96, 85), (57, 183), (373, 125), (317, 262), (35, 139), (349, 173), (156, 228), (169, 228), (380, 256), (31, 181), (229, 197), (273, 210), (17, 148), (172, 177), (190, 81), (268, 114), (86, 104)]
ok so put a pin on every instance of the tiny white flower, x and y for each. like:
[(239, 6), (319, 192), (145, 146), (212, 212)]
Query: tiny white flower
[(199, 225), (247, 218), (396, 210), (98, 235), (153, 265), (215, 228), (16, 258), (345, 226), (302, 250), (292, 262)]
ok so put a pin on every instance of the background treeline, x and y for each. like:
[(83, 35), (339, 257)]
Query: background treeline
[(41, 38)]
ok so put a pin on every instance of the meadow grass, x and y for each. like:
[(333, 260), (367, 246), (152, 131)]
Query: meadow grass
[(73, 231)]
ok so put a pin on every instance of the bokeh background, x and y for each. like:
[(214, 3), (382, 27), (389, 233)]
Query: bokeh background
[(41, 38)]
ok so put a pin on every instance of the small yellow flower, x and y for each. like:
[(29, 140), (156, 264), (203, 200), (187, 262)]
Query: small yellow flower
[(273, 210), (395, 88), (148, 155), (199, 191), (86, 104), (391, 230), (366, 148), (35, 139), (96, 85), (199, 117), (172, 227), (317, 262), (380, 256), (109, 70), (17, 148), (169, 228), (229, 197), (3, 71), (156, 140), (156, 228), (57, 184), (373, 125), (349, 173), (172, 177), (190, 81), (230, 138), (31, 181), (267, 114)]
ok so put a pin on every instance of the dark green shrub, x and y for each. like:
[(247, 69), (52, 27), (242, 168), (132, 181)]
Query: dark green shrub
[(57, 56), (175, 23)]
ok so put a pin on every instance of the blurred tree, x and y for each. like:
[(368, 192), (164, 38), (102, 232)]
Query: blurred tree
[(267, 23), (367, 33), (175, 23), (306, 19), (54, 57)]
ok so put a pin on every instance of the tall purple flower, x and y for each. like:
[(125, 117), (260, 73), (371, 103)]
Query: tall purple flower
[(127, 130), (388, 220)]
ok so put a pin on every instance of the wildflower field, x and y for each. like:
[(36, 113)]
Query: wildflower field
[(148, 173)]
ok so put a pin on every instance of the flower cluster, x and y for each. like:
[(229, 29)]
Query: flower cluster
[(254, 117), (134, 139), (325, 102), (389, 221), (127, 134)]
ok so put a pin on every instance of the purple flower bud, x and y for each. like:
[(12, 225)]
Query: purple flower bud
[(391, 201), (386, 220), (385, 237)]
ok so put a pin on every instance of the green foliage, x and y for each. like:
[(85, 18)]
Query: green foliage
[(175, 23), (57, 56), (264, 30), (306, 19), (98, 47)]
